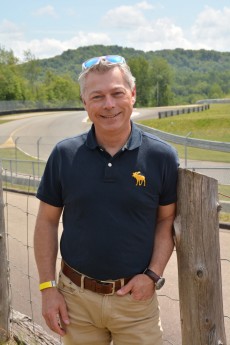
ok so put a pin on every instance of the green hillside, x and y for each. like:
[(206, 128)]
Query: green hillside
[(166, 77), (201, 61), (195, 74)]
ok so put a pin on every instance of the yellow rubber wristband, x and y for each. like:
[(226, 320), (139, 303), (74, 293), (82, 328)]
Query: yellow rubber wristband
[(46, 285)]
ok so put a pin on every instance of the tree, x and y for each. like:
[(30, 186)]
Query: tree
[(7, 57), (215, 91), (31, 71), (59, 89), (12, 85), (140, 69), (160, 77)]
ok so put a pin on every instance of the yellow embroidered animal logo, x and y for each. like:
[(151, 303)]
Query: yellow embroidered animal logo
[(140, 179)]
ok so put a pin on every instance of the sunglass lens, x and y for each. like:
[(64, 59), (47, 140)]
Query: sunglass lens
[(91, 62), (115, 58), (95, 60)]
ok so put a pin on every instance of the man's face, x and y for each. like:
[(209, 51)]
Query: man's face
[(108, 100)]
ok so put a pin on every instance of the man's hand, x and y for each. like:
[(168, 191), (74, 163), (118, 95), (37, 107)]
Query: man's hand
[(141, 287), (54, 310)]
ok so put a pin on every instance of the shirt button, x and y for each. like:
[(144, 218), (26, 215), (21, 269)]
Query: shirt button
[(110, 164)]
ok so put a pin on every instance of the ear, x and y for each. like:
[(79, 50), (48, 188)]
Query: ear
[(83, 101), (134, 95)]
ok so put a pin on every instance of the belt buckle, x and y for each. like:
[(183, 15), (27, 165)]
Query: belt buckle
[(106, 282)]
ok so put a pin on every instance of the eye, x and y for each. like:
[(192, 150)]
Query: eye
[(118, 93), (97, 97)]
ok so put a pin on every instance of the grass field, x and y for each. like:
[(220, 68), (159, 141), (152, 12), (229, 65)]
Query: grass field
[(212, 124)]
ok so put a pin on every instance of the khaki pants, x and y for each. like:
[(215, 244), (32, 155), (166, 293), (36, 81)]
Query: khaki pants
[(97, 319)]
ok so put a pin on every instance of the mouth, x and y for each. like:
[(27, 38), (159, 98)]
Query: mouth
[(110, 116)]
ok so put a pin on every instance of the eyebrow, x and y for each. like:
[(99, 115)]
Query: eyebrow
[(118, 88)]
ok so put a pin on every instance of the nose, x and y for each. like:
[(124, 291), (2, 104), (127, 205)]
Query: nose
[(109, 102)]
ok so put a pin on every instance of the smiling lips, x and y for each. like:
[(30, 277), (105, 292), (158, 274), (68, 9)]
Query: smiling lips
[(111, 116)]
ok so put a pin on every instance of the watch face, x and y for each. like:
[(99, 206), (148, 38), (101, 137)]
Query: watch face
[(160, 283)]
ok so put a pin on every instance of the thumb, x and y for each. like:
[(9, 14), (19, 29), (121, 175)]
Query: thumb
[(125, 289)]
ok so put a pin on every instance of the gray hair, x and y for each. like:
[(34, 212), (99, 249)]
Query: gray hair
[(104, 66)]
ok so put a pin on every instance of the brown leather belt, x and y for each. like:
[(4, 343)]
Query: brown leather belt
[(102, 287)]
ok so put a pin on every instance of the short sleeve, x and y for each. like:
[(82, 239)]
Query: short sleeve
[(50, 190), (168, 193)]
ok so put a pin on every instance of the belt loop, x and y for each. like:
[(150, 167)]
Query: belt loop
[(122, 282), (82, 283)]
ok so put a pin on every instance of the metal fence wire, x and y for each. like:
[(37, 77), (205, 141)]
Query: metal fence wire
[(26, 320), (23, 163)]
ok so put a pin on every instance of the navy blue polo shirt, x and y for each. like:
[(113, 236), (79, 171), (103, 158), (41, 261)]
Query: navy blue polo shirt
[(110, 203)]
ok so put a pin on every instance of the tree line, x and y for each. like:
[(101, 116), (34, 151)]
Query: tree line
[(163, 78)]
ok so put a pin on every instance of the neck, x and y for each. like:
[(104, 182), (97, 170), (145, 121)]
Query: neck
[(113, 142)]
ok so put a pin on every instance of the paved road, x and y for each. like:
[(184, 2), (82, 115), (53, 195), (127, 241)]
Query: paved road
[(46, 129), (21, 211), (50, 127), (37, 133)]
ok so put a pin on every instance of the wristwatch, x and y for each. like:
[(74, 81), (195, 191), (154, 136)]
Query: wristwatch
[(159, 281)]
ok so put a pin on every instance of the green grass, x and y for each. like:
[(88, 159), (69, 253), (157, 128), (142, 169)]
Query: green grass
[(224, 192), (14, 153), (19, 188), (201, 154), (20, 162), (212, 124), (224, 217)]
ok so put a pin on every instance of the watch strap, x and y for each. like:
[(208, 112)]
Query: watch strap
[(152, 275)]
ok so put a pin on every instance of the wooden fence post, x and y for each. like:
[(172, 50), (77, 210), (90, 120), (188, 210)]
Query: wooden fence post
[(198, 256), (4, 274)]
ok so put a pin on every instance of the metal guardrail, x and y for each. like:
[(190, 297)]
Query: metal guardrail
[(18, 107), (183, 110), (186, 141)]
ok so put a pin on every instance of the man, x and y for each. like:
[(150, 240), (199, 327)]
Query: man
[(116, 186)]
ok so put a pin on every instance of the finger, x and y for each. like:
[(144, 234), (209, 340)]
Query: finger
[(53, 323), (125, 289), (64, 314)]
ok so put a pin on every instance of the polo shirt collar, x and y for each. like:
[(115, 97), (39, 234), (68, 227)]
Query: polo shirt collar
[(132, 143)]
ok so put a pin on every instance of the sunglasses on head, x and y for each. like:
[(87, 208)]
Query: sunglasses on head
[(113, 59)]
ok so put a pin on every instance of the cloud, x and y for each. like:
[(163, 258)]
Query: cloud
[(48, 47), (135, 30), (124, 17), (211, 29), (126, 26), (46, 11), (144, 5), (161, 34)]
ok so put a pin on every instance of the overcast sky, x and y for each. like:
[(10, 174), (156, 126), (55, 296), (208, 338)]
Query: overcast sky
[(49, 27)]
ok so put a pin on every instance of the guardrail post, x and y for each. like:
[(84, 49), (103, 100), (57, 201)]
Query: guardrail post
[(38, 154), (16, 155), (186, 149), (198, 255), (4, 274)]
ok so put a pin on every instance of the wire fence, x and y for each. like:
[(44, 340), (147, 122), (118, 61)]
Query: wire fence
[(23, 162), (16, 107), (20, 214)]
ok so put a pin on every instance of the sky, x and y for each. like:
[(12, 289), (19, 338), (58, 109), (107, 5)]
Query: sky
[(49, 27)]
